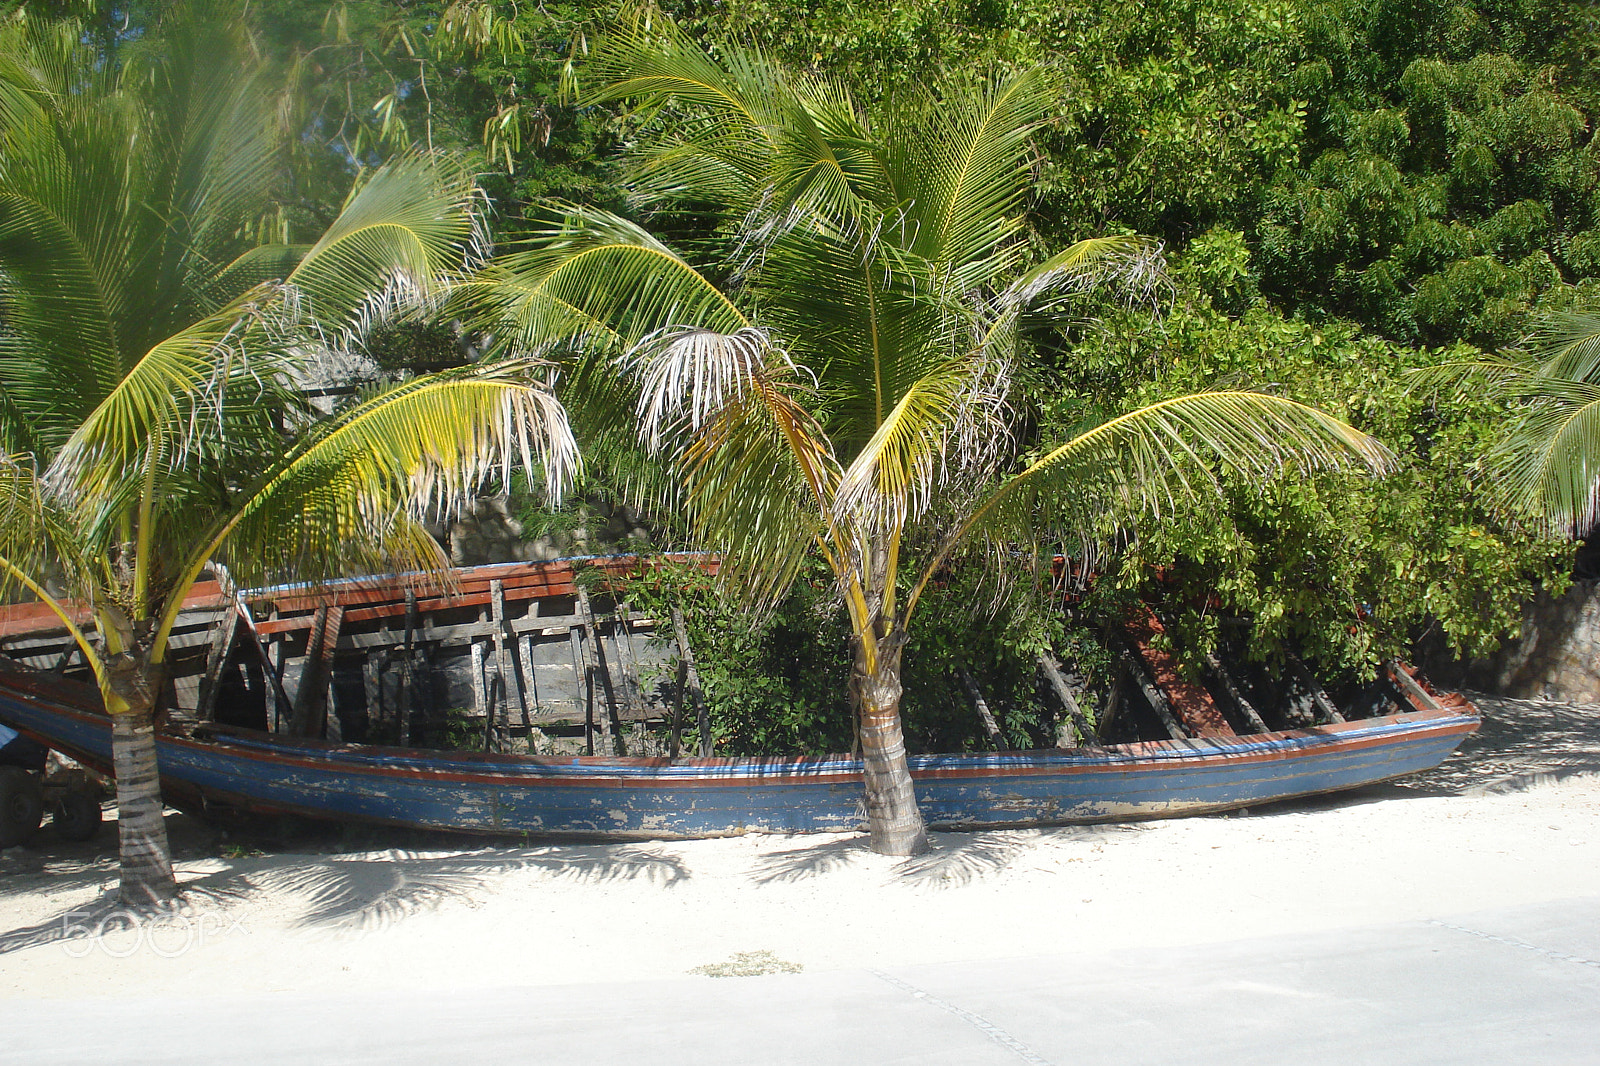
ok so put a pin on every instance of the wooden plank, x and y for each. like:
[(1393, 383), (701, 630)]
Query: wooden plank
[(372, 685), (675, 736), (990, 726), (622, 640), (1079, 722), (529, 681), (408, 670), (583, 686), (610, 739), (480, 696), (1114, 699), (310, 693), (1238, 697), (1318, 695), (1157, 698), (497, 616), (216, 661), (1187, 699), (702, 714), (1411, 688)]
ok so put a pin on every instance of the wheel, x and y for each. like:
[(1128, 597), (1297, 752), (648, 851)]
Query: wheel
[(21, 805), (76, 817)]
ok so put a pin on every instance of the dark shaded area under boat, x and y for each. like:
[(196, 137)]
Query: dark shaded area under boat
[(541, 660)]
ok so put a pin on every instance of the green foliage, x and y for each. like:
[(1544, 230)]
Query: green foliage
[(1345, 571)]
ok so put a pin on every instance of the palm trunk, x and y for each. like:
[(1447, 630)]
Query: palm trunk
[(146, 860), (893, 820)]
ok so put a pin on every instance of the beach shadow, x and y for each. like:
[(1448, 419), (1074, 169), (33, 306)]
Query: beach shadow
[(953, 859), (357, 893), (815, 860)]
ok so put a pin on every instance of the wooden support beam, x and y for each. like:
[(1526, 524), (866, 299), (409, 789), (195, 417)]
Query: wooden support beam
[(702, 714), (408, 671), (1187, 699), (1408, 684), (1318, 695), (622, 640), (480, 696), (501, 704), (675, 736), (583, 685), (527, 683), (311, 695), (981, 705), (1157, 698), (216, 661), (1245, 707), (372, 685), (1114, 700), (1079, 722), (610, 739)]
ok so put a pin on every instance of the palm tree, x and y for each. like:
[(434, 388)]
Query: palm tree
[(1546, 462), (838, 381), (152, 353)]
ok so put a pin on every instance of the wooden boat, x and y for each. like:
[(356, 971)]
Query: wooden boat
[(207, 763)]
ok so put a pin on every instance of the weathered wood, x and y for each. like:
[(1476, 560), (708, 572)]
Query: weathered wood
[(408, 670), (622, 640), (610, 739), (702, 714), (583, 684), (1238, 697), (1188, 700), (675, 735), (1157, 698), (67, 655), (216, 661), (311, 695), (1114, 700), (497, 616), (480, 695), (372, 685), (1318, 695), (981, 705), (1415, 692), (1079, 721), (527, 681)]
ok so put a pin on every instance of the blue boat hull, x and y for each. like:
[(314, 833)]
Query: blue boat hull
[(631, 798)]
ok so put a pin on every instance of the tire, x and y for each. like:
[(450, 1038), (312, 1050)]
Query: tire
[(21, 805), (76, 817)]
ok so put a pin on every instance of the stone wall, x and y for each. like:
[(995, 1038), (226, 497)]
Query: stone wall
[(1557, 657)]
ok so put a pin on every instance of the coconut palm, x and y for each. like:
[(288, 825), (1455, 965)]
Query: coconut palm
[(1546, 462), (152, 355), (838, 380)]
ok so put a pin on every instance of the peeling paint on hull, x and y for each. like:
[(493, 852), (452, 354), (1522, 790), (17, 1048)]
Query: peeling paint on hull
[(632, 798)]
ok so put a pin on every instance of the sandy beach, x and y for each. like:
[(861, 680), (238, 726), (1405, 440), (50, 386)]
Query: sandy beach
[(1514, 818)]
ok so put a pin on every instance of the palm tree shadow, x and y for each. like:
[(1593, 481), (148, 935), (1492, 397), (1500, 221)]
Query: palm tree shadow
[(799, 864), (957, 859), (359, 893)]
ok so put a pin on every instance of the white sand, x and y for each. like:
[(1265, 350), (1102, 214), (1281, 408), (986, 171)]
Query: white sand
[(481, 916)]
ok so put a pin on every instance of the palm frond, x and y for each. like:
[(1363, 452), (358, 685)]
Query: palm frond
[(359, 488), (1142, 461), (755, 479), (410, 219), (948, 425), (1547, 462), (153, 403), (962, 174), (595, 280), (1567, 346)]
